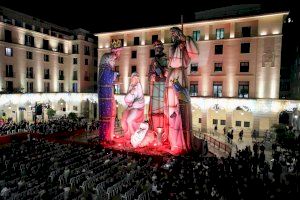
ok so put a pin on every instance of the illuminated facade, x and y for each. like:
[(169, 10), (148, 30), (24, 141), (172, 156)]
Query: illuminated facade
[(40, 57), (239, 61)]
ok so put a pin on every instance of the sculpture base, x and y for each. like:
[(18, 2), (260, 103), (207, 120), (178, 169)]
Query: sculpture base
[(122, 144)]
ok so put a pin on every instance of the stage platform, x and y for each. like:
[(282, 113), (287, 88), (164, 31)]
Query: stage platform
[(121, 144)]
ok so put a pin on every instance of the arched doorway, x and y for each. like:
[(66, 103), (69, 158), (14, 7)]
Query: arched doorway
[(284, 117)]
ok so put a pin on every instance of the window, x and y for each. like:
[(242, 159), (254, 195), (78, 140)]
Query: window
[(60, 47), (74, 75), (28, 54), (220, 33), (218, 67), (29, 72), (74, 87), (218, 49), (136, 41), (9, 71), (154, 38), (217, 89), (46, 87), (61, 87), (246, 124), (28, 26), (243, 89), (194, 88), (246, 31), (245, 48), (238, 123), (196, 35), (244, 66), (215, 121), (200, 120), (223, 122), (18, 23), (117, 89), (117, 70), (46, 74), (8, 51), (95, 63), (152, 53), (7, 36), (61, 75), (29, 40), (194, 68), (75, 61), (29, 87), (86, 61), (95, 76), (46, 44), (86, 50), (133, 69), (75, 108), (133, 54), (9, 86), (46, 31), (86, 76), (46, 58), (60, 60), (75, 49)]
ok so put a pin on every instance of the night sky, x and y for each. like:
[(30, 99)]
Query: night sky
[(101, 16)]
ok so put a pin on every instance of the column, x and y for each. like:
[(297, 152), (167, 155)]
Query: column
[(162, 36), (204, 121), (206, 32), (125, 40), (232, 30)]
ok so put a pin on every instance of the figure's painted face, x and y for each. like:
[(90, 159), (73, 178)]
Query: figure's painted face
[(118, 53), (134, 80)]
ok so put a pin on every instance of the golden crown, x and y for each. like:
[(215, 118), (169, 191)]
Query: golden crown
[(116, 44)]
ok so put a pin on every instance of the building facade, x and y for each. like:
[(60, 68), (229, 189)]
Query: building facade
[(40, 57), (238, 63)]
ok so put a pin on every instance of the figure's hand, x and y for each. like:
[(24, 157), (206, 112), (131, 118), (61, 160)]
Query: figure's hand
[(152, 78), (166, 73)]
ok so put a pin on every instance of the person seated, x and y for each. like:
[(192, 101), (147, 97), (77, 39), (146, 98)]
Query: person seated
[(133, 116)]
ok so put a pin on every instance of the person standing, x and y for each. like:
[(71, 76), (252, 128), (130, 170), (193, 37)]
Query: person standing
[(157, 77), (241, 133), (106, 100), (177, 100)]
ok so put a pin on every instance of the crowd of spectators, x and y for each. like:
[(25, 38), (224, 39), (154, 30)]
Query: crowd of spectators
[(51, 126)]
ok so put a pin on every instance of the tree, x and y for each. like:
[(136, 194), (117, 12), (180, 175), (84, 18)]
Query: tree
[(51, 113), (286, 138), (72, 116)]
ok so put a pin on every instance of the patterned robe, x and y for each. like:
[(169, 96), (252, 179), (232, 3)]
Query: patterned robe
[(107, 107), (157, 89)]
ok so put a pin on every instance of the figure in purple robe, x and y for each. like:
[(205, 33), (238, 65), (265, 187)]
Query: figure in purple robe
[(106, 77)]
